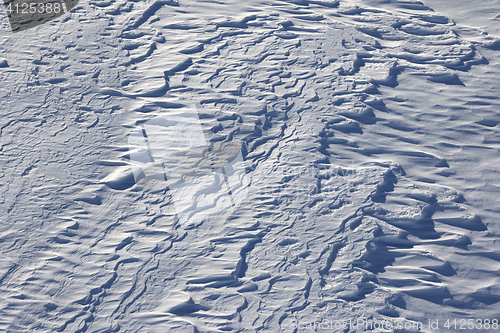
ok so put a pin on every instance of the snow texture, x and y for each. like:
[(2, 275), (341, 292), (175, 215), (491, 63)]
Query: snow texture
[(228, 166)]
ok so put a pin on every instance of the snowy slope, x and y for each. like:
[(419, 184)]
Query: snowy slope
[(369, 133)]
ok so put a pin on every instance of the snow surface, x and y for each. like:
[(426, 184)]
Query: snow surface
[(366, 187)]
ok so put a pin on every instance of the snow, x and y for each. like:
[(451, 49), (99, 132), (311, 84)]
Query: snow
[(214, 166)]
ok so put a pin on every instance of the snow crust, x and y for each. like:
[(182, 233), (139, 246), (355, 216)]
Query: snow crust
[(343, 166)]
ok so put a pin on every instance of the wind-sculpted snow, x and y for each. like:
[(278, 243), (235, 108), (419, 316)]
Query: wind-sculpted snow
[(342, 118)]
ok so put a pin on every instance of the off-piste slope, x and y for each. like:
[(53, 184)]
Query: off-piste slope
[(335, 226)]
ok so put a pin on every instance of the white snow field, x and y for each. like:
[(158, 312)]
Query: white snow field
[(252, 166)]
